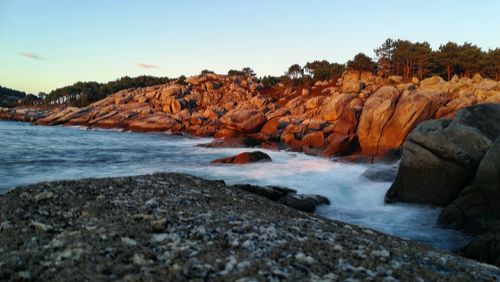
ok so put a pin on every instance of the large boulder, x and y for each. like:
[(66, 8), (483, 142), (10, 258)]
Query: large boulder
[(411, 109), (377, 110), (481, 197), (477, 210), (246, 121), (440, 157)]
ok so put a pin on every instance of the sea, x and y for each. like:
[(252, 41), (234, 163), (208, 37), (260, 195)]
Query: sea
[(34, 153)]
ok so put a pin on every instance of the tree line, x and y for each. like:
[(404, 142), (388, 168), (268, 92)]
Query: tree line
[(11, 98), (82, 94), (407, 59)]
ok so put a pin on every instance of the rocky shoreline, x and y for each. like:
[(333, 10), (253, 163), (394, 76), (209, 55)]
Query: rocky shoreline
[(361, 113), (169, 226)]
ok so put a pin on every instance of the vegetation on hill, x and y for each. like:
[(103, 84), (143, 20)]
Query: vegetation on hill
[(83, 93), (11, 98), (407, 59)]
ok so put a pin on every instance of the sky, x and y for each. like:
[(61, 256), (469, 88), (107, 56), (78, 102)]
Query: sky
[(46, 44)]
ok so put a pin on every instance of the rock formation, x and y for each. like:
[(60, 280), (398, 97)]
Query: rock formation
[(361, 113), (455, 164)]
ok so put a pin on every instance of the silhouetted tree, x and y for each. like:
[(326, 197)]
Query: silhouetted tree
[(361, 62), (295, 71)]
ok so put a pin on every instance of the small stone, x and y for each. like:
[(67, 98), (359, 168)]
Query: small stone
[(151, 204), (24, 275), (43, 196), (41, 226), (304, 258), (129, 242), (138, 259), (159, 225)]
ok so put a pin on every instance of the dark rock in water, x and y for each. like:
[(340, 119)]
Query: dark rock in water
[(456, 164), (381, 173), (238, 142), (286, 196), (272, 193), (245, 158), (440, 157), (304, 202), (477, 209)]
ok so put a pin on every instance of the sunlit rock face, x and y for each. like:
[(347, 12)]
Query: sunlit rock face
[(361, 113)]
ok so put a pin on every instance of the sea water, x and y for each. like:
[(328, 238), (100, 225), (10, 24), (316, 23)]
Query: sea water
[(30, 154)]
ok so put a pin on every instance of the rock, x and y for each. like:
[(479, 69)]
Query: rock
[(314, 102), (481, 198), (447, 166), (226, 133), (487, 179), (314, 139), (159, 225), (170, 90), (440, 157), (239, 142), (305, 202), (176, 106), (485, 248), (272, 193), (410, 110), (396, 79), (244, 158), (340, 145), (210, 114), (376, 113), (334, 107), (271, 126), (247, 121), (156, 122), (352, 86), (381, 173), (432, 81), (351, 75), (484, 117)]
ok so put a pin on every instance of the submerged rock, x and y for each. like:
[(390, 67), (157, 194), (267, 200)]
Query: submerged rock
[(381, 173), (244, 158)]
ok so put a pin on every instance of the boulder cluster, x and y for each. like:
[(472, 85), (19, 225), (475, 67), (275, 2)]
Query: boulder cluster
[(455, 164), (359, 113)]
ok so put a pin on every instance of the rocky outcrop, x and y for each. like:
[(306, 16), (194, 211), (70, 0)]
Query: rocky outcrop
[(177, 227), (377, 111), (286, 196), (244, 158), (456, 164), (447, 153), (361, 113)]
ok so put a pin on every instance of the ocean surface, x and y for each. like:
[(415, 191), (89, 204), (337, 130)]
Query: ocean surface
[(30, 154)]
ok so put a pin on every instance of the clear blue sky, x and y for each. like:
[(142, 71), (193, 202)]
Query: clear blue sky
[(45, 44)]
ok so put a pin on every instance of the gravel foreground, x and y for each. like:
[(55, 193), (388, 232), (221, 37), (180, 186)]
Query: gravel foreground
[(175, 227)]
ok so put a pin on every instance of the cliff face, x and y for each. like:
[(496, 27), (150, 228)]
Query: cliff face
[(359, 113)]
